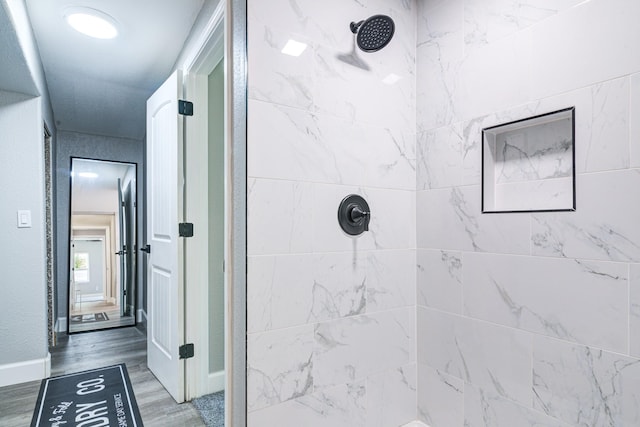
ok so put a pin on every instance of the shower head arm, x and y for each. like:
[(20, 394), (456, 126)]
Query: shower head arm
[(355, 25)]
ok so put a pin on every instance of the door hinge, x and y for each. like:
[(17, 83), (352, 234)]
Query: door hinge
[(185, 229), (186, 351), (185, 108)]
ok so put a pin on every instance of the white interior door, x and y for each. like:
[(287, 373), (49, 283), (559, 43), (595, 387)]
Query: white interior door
[(165, 315)]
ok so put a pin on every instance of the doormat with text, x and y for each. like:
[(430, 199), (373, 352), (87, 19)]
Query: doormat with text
[(96, 398), (89, 318)]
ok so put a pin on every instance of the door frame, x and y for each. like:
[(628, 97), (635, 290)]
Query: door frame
[(223, 38)]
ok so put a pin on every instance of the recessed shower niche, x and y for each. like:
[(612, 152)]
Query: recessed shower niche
[(528, 165)]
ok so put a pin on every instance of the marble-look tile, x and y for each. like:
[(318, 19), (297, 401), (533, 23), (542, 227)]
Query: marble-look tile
[(371, 101), (326, 231), (565, 45), (601, 135), (391, 397), (634, 121), (279, 366), (389, 157), (339, 285), (322, 78), (493, 357), (483, 408), (634, 310), (603, 226), (279, 291), (531, 293), (439, 64), (489, 20), (385, 230), (495, 77), (275, 77), (437, 343), (544, 194), (451, 219), (293, 144), (440, 158), (440, 280), (318, 21), (440, 398), (340, 406), (291, 290), (439, 21), (391, 279), (585, 386), (393, 218), (608, 144), (278, 217), (353, 348), (543, 151)]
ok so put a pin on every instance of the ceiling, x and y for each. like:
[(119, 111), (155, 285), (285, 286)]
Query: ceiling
[(106, 175), (101, 86), (15, 74)]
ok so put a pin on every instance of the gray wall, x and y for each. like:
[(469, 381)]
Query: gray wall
[(22, 250), (72, 144)]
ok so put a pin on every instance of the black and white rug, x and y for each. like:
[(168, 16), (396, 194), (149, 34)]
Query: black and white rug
[(89, 318), (98, 397)]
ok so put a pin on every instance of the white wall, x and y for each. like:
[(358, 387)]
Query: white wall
[(95, 249), (331, 319), (23, 310), (528, 319)]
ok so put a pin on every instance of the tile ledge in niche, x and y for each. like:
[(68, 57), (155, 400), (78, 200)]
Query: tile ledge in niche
[(415, 424)]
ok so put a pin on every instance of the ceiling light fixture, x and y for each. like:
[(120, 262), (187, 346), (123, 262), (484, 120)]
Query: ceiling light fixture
[(91, 22)]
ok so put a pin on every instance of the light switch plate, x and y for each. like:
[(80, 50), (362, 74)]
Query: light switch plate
[(24, 219)]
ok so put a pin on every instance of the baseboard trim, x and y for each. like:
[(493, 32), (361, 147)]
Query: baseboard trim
[(216, 382), (141, 316), (22, 372), (61, 324)]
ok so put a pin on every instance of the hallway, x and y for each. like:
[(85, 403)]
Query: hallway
[(96, 349)]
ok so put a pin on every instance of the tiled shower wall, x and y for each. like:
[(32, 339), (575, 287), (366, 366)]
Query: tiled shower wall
[(331, 319), (528, 319)]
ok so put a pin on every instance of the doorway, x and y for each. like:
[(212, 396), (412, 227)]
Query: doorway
[(102, 259)]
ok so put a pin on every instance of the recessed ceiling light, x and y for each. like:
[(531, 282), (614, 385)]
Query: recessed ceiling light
[(91, 22), (294, 48)]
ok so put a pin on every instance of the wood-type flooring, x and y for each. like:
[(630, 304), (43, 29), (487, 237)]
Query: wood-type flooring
[(90, 350)]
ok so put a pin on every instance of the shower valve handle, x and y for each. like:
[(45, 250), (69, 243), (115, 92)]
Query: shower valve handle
[(357, 214), (354, 215)]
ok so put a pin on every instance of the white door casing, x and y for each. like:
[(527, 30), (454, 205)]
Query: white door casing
[(165, 315)]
